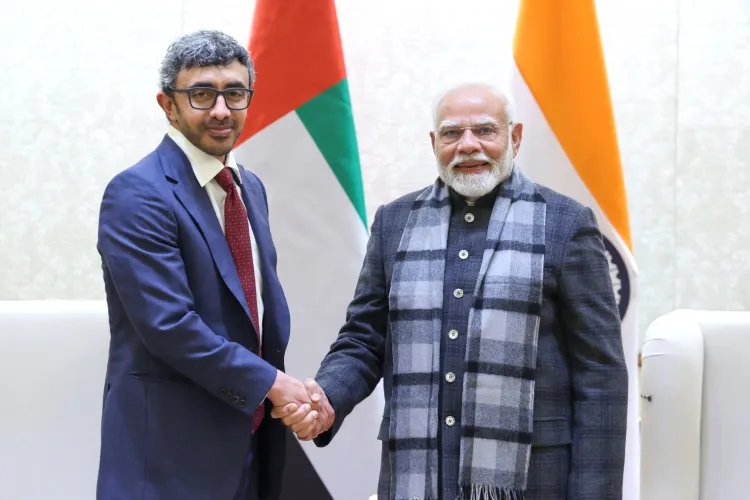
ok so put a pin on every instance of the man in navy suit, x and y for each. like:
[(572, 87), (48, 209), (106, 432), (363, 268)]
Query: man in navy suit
[(198, 319), (485, 304)]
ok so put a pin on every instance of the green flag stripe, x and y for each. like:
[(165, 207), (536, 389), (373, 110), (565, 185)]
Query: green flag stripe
[(328, 119)]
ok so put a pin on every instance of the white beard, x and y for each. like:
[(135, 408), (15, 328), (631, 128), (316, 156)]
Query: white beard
[(476, 185)]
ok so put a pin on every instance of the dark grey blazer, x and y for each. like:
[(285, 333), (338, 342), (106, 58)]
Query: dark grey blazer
[(581, 397)]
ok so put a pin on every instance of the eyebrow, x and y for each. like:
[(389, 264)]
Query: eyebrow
[(485, 121), (482, 121), (447, 124)]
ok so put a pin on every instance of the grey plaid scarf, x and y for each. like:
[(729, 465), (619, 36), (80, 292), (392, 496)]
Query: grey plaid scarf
[(498, 386)]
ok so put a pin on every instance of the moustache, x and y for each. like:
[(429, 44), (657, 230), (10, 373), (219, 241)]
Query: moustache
[(460, 158), (222, 124)]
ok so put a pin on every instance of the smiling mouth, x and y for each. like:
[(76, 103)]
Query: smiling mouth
[(220, 131), (471, 163), (472, 166)]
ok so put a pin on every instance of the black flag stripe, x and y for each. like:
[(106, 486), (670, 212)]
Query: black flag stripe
[(301, 480)]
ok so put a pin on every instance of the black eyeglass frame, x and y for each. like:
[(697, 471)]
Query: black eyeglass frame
[(217, 93)]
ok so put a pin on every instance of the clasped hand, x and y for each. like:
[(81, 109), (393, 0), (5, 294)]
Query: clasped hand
[(302, 406)]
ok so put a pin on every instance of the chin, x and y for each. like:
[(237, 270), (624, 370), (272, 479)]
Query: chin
[(215, 147), (471, 192), (474, 185)]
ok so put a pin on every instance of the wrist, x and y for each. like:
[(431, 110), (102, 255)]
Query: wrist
[(275, 389)]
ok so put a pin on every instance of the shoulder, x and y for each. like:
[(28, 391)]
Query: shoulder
[(252, 181), (563, 212), (248, 176), (400, 207), (141, 179), (141, 194), (558, 203), (390, 219)]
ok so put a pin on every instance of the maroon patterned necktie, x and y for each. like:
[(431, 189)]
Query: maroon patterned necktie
[(237, 232)]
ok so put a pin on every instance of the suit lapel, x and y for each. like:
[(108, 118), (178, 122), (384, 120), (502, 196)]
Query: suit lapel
[(196, 201)]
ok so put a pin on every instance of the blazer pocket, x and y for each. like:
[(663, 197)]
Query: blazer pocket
[(552, 431), (385, 429)]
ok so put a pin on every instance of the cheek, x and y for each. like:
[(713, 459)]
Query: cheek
[(239, 117), (193, 118), (444, 155), (494, 151), (196, 119)]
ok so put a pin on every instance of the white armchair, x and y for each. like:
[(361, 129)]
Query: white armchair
[(53, 357), (695, 407)]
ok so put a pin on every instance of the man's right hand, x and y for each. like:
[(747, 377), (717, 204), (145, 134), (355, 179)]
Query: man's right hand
[(288, 392), (298, 419)]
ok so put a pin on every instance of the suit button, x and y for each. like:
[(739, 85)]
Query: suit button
[(222, 391), (242, 403), (236, 400), (228, 395)]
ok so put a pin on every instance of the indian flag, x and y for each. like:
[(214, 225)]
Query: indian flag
[(560, 86), (300, 139)]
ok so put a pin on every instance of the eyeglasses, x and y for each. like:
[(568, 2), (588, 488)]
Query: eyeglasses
[(485, 133), (205, 97)]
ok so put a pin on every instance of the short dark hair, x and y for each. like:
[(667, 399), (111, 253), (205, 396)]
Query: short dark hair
[(202, 48)]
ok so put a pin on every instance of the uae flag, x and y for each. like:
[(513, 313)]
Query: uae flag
[(300, 139), (560, 86)]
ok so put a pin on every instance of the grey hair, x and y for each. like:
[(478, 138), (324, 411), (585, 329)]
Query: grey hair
[(510, 106), (199, 49)]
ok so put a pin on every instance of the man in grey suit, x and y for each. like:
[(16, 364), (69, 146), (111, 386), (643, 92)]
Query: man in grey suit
[(485, 304)]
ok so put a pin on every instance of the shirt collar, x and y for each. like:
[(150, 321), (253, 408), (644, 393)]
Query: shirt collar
[(205, 166)]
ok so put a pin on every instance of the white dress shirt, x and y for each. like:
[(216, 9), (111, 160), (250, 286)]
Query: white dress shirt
[(206, 167)]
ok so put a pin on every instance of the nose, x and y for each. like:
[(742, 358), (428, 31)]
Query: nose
[(468, 143), (220, 110)]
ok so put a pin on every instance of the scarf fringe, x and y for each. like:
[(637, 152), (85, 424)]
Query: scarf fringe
[(489, 492)]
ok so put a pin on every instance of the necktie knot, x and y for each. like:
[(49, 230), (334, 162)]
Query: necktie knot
[(225, 179)]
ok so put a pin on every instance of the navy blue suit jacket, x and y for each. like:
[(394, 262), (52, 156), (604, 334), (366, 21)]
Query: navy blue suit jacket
[(183, 377), (581, 395)]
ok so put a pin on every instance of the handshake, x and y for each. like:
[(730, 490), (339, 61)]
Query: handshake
[(302, 406)]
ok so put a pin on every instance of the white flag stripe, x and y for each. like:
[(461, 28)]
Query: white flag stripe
[(321, 242)]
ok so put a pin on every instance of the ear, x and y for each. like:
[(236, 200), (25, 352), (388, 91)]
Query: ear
[(168, 105), (432, 139), (516, 137)]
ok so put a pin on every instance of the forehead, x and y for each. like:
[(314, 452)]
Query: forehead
[(469, 106), (215, 76)]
